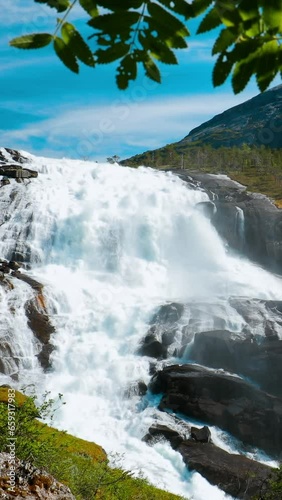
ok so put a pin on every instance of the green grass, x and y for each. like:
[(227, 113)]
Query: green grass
[(80, 464)]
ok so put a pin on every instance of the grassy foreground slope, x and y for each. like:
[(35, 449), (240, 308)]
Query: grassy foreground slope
[(81, 465)]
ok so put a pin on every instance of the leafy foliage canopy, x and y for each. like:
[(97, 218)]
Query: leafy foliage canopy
[(145, 32)]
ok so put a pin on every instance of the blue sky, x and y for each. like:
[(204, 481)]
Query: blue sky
[(47, 110)]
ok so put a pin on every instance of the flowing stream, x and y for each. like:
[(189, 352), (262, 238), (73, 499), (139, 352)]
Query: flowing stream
[(111, 244)]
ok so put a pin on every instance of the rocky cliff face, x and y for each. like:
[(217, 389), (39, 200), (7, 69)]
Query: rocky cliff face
[(223, 378), (249, 222), (257, 121), (29, 482)]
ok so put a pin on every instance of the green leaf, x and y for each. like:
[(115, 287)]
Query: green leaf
[(210, 21), (250, 15), (114, 52), (199, 6), (59, 5), (268, 64), (77, 45), (161, 51), (65, 54), (33, 41), (243, 71), (272, 14), (102, 40), (224, 40), (252, 27), (180, 7), (90, 6), (167, 20), (115, 23), (221, 70), (248, 9), (176, 42), (151, 70), (127, 70), (120, 5), (228, 13), (244, 49)]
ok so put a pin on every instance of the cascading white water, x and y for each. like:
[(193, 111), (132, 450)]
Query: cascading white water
[(111, 244), (240, 225)]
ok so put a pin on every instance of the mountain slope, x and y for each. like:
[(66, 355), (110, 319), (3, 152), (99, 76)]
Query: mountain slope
[(257, 121)]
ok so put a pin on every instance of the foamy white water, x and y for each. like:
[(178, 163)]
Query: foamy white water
[(111, 244)]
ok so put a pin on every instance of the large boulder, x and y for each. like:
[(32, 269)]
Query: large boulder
[(17, 172), (243, 354), (162, 332), (237, 475), (229, 402), (39, 323)]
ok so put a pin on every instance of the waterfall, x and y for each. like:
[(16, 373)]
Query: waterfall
[(110, 244), (240, 226)]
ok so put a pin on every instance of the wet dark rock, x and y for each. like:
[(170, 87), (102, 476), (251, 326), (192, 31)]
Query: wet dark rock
[(5, 269), (4, 181), (17, 172), (169, 336), (152, 368), (27, 279), (16, 156), (202, 435), (260, 236), (234, 405), (38, 320), (14, 265), (160, 431), (136, 389), (168, 314), (243, 354), (237, 475), (8, 360), (161, 334), (44, 356), (153, 348)]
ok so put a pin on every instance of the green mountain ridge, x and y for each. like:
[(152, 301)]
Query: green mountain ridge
[(256, 122), (244, 142)]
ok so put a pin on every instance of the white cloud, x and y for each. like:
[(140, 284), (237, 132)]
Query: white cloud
[(7, 65), (123, 125)]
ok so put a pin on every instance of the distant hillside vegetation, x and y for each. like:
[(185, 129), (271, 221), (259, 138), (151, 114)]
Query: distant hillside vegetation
[(244, 142)]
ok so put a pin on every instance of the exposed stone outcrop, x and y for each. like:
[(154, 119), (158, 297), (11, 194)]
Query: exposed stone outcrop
[(237, 475), (259, 235), (162, 332), (29, 482), (160, 431), (256, 121), (241, 353), (251, 415), (17, 172), (8, 154), (11, 166), (38, 320)]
